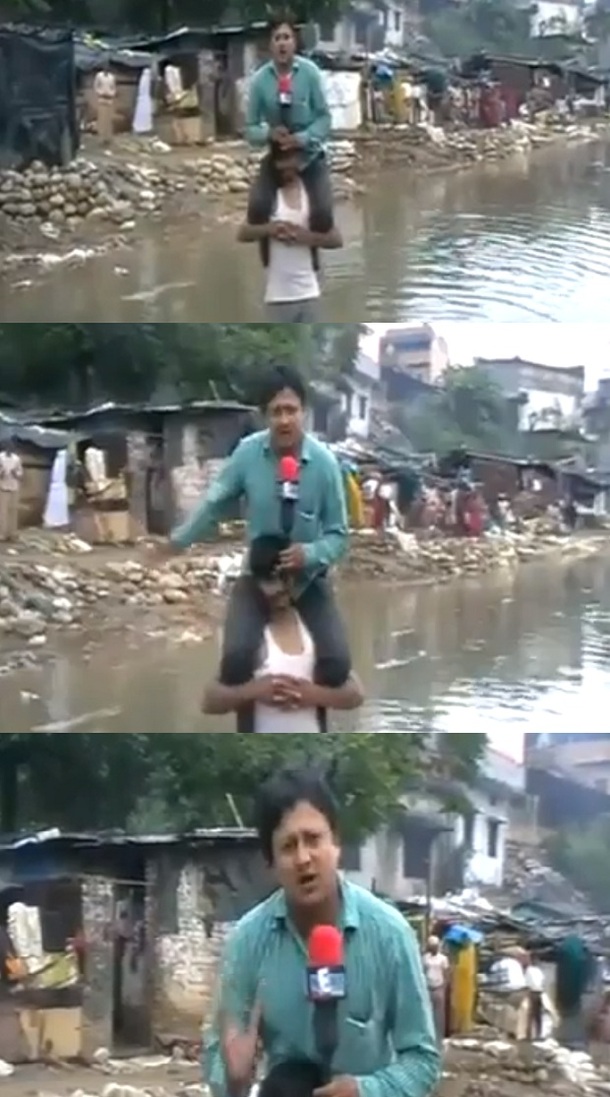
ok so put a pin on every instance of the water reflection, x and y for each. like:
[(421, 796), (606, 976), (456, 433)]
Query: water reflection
[(525, 239), (528, 652)]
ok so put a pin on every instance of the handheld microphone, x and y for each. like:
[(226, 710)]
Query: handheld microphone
[(288, 478), (325, 989), (284, 89)]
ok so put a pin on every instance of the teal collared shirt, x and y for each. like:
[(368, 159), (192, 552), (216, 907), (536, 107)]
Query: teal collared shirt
[(311, 121), (386, 1032), (250, 473)]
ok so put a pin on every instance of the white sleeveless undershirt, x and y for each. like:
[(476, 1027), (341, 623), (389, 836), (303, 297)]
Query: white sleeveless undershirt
[(269, 720), (290, 273)]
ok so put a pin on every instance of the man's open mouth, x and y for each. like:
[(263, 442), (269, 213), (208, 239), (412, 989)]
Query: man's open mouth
[(308, 881)]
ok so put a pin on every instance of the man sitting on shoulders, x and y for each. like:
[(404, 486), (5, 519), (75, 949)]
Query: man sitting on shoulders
[(288, 246), (283, 691)]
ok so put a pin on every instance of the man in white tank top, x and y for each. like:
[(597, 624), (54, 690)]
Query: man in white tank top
[(288, 247), (283, 691)]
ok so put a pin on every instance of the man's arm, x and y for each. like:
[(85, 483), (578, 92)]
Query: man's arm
[(417, 1069), (227, 488), (342, 698), (329, 241), (318, 131), (253, 234), (257, 127), (219, 699), (234, 1002), (333, 543)]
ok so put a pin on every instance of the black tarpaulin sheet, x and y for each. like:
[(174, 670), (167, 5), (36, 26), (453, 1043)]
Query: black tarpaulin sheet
[(37, 97)]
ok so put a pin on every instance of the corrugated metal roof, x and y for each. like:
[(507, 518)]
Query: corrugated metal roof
[(167, 408), (57, 837), (32, 433)]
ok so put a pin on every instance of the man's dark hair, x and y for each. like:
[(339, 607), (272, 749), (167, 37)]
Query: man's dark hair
[(281, 377), (264, 555), (294, 1078), (282, 19), (281, 794)]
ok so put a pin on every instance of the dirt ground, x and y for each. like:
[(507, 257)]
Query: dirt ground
[(465, 1074)]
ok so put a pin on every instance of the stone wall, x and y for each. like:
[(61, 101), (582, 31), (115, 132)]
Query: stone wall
[(193, 908), (98, 920)]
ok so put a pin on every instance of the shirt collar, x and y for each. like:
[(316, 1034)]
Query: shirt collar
[(294, 67), (306, 447), (349, 917)]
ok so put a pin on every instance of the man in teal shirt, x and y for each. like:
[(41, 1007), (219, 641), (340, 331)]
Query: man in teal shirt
[(386, 1040), (318, 534), (294, 119)]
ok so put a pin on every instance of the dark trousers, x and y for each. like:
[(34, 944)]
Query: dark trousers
[(316, 177), (243, 635), (535, 1015)]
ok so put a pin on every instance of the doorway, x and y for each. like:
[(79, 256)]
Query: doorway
[(131, 1020)]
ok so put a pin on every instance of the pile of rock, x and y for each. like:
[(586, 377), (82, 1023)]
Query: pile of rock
[(492, 1066), (428, 146), (117, 190), (36, 597)]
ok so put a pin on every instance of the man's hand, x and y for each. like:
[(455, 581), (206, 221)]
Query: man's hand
[(288, 693), (288, 142), (300, 235), (343, 1086), (279, 134), (292, 559), (281, 230), (239, 1049)]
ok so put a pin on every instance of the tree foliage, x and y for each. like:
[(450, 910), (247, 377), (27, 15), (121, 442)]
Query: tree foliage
[(469, 410), (76, 364), (583, 856), (160, 16), (180, 781), (481, 25)]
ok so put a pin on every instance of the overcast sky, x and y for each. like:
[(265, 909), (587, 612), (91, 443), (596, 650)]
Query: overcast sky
[(551, 344)]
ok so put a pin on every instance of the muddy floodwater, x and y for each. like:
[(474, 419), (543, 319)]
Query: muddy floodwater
[(525, 239), (525, 652)]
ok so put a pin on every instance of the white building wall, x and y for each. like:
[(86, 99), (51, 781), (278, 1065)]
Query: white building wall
[(549, 411), (552, 17)]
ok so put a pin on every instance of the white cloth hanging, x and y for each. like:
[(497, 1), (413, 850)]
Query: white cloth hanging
[(143, 114)]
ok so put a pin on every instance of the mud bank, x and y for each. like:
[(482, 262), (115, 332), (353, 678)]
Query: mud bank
[(53, 584), (104, 200), (483, 1065)]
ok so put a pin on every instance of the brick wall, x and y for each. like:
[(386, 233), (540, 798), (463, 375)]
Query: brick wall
[(193, 906), (98, 918), (192, 478), (186, 962)]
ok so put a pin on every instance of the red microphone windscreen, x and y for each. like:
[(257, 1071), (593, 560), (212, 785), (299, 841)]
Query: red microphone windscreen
[(289, 468), (325, 947), (284, 83)]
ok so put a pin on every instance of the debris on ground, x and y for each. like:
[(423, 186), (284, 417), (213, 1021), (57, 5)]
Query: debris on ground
[(57, 581)]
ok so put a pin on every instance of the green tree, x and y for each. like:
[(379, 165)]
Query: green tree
[(469, 410), (76, 364), (159, 16), (179, 781), (80, 780), (481, 25), (583, 856)]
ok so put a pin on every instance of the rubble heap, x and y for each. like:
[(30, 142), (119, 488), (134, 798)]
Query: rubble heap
[(38, 594), (116, 190), (495, 1066)]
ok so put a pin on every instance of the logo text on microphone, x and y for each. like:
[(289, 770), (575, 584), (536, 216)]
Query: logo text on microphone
[(326, 984)]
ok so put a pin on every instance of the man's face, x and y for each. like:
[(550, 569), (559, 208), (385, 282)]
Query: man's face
[(276, 593), (287, 168), (285, 414), (283, 44), (306, 856)]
